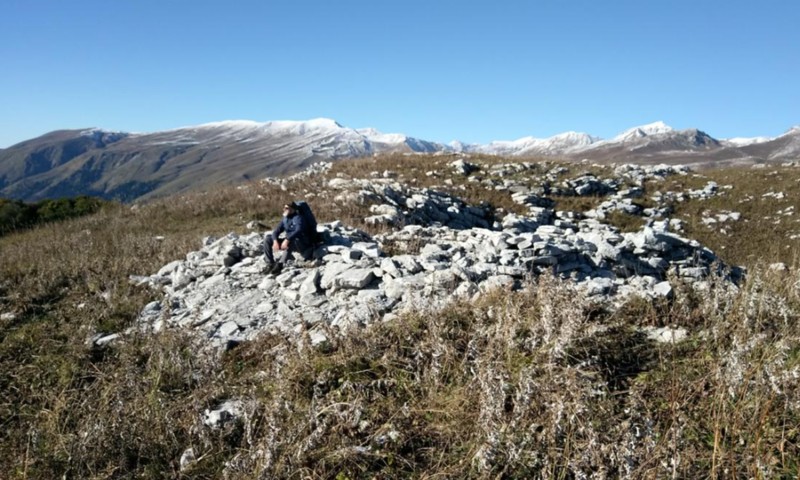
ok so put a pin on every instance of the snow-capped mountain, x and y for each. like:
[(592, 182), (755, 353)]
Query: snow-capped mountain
[(129, 166), (744, 141), (652, 141), (556, 145), (656, 135), (319, 136), (782, 147), (635, 133)]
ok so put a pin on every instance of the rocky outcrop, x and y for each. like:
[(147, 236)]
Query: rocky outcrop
[(396, 204), (441, 249)]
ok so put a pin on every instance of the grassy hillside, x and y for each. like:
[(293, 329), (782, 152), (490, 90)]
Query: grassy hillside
[(534, 384)]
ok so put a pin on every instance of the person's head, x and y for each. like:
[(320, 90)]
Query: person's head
[(289, 209)]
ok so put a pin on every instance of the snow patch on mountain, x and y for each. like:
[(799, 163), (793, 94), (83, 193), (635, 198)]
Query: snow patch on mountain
[(316, 137), (744, 141), (789, 145), (301, 127), (328, 138), (566, 142), (378, 137), (655, 128), (104, 137)]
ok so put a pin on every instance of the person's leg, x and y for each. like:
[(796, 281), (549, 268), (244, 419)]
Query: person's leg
[(277, 267), (303, 247), (268, 255), (297, 245), (285, 255)]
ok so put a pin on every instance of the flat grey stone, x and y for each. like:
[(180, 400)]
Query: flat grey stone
[(663, 289), (389, 266), (310, 285), (497, 281), (180, 279), (598, 286), (666, 334), (778, 267), (369, 249), (290, 295), (408, 263), (331, 273), (318, 339), (152, 308), (694, 272), (167, 269), (267, 284), (315, 300), (354, 278), (227, 329), (103, 341)]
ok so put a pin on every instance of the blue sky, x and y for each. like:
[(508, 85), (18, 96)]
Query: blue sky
[(439, 70)]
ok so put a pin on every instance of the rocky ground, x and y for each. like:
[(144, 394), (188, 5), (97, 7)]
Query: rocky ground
[(466, 317), (437, 248)]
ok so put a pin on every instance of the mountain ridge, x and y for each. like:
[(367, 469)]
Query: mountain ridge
[(129, 166)]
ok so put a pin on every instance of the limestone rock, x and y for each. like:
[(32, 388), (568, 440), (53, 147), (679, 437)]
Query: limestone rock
[(354, 278), (443, 249), (188, 459), (666, 334), (228, 412)]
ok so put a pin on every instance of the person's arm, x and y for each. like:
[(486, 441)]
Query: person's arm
[(280, 228), (298, 225)]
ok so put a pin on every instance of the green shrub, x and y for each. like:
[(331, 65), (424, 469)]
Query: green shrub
[(16, 215)]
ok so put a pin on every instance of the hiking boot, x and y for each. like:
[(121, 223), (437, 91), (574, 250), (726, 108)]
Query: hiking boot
[(276, 269)]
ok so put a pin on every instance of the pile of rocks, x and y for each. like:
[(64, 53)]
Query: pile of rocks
[(462, 167), (588, 185), (445, 250), (397, 205), (639, 174), (723, 216), (313, 170), (704, 193), (775, 195)]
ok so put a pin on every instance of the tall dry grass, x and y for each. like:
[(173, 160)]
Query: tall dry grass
[(533, 384)]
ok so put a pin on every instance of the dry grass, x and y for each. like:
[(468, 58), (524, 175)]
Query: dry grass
[(534, 384), (762, 234)]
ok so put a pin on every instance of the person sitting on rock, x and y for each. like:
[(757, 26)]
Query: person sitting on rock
[(298, 239)]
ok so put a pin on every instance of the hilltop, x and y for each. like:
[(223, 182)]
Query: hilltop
[(470, 317)]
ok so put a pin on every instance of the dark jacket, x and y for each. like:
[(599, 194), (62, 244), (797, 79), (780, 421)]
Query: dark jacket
[(294, 226)]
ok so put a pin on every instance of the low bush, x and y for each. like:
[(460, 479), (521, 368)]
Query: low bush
[(15, 215)]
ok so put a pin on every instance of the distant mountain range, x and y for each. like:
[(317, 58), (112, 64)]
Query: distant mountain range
[(131, 166)]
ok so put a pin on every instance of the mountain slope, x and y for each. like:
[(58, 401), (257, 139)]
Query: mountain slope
[(654, 143), (155, 164), (42, 154), (781, 148), (556, 145), (127, 167)]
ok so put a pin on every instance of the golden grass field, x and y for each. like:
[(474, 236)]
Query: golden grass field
[(532, 384)]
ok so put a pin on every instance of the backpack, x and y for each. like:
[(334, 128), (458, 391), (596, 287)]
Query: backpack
[(309, 221)]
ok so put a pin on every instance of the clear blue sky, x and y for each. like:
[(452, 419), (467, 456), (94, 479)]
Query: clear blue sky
[(440, 70)]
